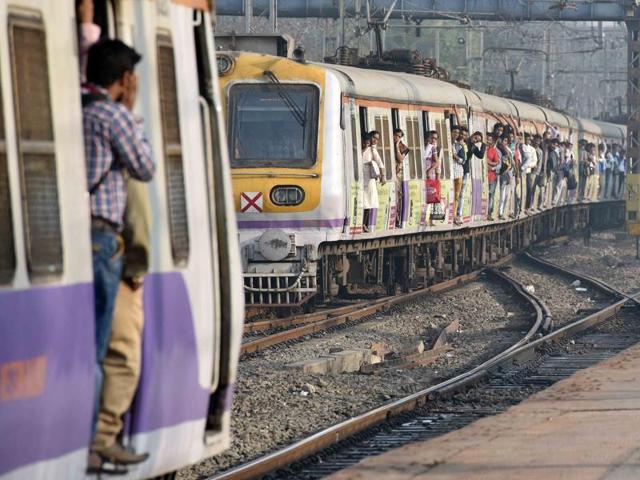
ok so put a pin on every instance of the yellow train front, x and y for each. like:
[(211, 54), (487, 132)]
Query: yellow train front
[(294, 134)]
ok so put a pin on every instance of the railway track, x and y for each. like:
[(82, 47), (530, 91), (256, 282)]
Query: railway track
[(293, 328), (520, 352)]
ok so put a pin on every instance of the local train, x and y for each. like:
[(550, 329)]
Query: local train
[(295, 149), (193, 299)]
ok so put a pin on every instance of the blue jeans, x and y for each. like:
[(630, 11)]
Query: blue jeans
[(107, 268)]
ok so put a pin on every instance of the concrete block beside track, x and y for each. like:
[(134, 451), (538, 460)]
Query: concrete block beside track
[(346, 361), (322, 365), (349, 361)]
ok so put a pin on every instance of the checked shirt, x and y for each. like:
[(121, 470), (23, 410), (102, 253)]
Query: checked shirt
[(114, 143)]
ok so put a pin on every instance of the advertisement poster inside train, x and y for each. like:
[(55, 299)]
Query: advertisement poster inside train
[(393, 208), (446, 202), (356, 213), (479, 190), (415, 203), (466, 199), (382, 218)]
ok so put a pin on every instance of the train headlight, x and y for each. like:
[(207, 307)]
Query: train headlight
[(287, 195), (225, 63), (275, 245)]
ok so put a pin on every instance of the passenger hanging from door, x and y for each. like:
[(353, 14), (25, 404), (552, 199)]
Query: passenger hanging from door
[(401, 151), (115, 143), (370, 173), (459, 159), (88, 33)]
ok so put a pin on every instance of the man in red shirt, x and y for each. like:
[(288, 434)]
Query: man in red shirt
[(493, 163)]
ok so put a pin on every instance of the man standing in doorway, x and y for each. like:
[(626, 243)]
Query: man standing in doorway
[(115, 145)]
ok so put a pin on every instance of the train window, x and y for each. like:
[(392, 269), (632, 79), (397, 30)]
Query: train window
[(444, 136), (386, 145), (413, 143), (273, 125), (410, 143), (395, 118), (417, 156), (425, 125), (381, 123), (364, 120), (174, 167), (355, 145), (7, 253), (36, 146)]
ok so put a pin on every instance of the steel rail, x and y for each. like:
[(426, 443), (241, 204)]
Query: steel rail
[(522, 351), (357, 312), (588, 279), (314, 323), (340, 431)]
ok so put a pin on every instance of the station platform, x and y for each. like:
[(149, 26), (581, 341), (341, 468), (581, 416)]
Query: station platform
[(585, 427)]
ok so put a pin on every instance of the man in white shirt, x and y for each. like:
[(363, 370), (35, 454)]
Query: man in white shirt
[(529, 162)]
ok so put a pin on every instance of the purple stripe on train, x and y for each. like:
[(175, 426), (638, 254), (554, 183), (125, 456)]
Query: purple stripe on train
[(169, 392), (315, 223), (55, 323)]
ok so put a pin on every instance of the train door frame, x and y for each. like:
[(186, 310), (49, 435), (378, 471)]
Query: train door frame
[(353, 166), (48, 303), (385, 216), (478, 169), (413, 184)]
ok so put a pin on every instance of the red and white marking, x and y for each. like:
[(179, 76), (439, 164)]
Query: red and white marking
[(251, 202)]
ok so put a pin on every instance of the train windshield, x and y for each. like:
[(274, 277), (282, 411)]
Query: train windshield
[(273, 125)]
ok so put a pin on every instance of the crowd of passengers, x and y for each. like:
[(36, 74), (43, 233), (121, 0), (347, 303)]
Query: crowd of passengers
[(118, 162), (517, 164)]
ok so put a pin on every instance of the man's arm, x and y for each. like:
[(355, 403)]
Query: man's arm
[(130, 142)]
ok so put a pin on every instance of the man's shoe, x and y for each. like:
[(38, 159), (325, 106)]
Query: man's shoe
[(97, 466), (116, 454)]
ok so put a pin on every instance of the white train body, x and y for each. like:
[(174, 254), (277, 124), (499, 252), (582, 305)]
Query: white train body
[(192, 294), (273, 158)]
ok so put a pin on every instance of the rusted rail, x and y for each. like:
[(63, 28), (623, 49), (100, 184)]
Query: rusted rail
[(519, 352), (320, 321)]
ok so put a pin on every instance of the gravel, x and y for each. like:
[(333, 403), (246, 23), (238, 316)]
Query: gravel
[(562, 299), (275, 406), (610, 256)]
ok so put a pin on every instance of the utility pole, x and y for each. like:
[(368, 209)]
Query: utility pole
[(342, 24), (437, 47), (605, 91), (546, 70), (482, 59), (273, 15), (248, 13)]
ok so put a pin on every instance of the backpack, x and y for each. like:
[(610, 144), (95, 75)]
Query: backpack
[(505, 164)]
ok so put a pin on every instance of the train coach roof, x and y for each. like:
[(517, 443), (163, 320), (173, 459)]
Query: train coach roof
[(611, 130), (474, 102), (556, 119), (497, 105), (589, 126), (397, 87), (527, 111)]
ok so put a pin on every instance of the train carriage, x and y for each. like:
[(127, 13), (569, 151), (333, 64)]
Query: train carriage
[(192, 295), (323, 248)]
